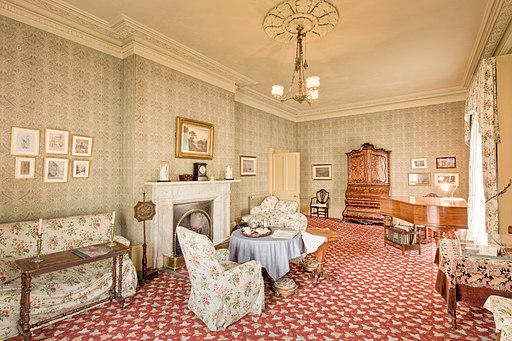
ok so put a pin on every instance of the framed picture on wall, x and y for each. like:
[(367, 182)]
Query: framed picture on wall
[(446, 162), (80, 169), (82, 146), (446, 178), (24, 141), (194, 139), (247, 165), (418, 163), (55, 169), (56, 141), (24, 168), (322, 171), (419, 179)]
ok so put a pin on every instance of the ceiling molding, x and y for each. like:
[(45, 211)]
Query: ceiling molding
[(402, 102), (268, 104), (120, 38), (497, 18), (124, 36)]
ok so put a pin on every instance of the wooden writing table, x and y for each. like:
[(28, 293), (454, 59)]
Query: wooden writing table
[(331, 237), (64, 260)]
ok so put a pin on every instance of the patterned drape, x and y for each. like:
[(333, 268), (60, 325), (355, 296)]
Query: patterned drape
[(481, 105)]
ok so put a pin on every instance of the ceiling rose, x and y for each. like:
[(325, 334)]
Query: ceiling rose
[(316, 17)]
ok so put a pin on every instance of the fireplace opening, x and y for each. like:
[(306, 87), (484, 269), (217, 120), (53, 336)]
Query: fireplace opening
[(195, 216)]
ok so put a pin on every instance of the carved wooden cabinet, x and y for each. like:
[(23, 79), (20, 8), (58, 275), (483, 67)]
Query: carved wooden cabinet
[(368, 180)]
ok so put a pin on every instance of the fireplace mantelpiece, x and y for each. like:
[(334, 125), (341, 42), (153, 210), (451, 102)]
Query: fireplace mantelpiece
[(167, 194)]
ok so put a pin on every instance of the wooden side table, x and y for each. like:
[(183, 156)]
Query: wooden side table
[(322, 250), (64, 260)]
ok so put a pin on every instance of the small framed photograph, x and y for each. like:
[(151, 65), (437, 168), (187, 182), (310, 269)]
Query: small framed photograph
[(419, 179), (55, 169), (194, 139), (24, 141), (322, 171), (82, 146), (25, 168), (247, 165), (418, 163), (446, 162), (446, 178), (80, 169), (56, 141)]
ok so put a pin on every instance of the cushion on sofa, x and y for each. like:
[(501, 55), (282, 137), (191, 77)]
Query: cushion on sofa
[(8, 270), (286, 206)]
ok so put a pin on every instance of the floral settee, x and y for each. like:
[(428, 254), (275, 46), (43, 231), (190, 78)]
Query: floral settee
[(501, 308), (62, 290), (273, 212), (222, 292)]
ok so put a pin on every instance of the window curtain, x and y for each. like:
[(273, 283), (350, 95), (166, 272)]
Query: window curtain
[(481, 102), (477, 231)]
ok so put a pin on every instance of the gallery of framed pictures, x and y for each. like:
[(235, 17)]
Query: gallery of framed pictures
[(247, 165), (322, 171), (25, 142), (419, 179), (194, 139)]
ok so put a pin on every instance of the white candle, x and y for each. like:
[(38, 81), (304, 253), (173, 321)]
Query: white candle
[(113, 217), (40, 231)]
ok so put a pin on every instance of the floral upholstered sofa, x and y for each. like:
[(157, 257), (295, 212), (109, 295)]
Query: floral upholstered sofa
[(273, 212), (62, 290)]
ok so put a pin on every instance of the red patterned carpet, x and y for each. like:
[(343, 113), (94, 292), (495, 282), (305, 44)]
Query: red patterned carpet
[(381, 295)]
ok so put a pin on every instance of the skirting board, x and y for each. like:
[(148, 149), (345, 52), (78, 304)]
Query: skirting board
[(136, 255)]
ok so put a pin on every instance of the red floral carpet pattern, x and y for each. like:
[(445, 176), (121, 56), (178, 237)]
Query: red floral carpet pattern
[(381, 295)]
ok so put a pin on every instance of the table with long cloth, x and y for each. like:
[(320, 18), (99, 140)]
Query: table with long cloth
[(273, 253), (470, 279)]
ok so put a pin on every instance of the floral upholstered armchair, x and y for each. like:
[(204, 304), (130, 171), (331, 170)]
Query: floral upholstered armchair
[(222, 292), (273, 212)]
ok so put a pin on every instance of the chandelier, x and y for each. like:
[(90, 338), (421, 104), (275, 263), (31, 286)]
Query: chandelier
[(293, 20)]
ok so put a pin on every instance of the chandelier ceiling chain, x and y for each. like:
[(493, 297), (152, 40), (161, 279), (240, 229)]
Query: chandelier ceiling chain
[(294, 19)]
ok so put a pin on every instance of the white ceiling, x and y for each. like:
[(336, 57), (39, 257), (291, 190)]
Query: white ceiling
[(379, 51)]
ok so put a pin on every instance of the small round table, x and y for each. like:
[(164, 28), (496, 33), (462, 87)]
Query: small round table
[(274, 254), (322, 250)]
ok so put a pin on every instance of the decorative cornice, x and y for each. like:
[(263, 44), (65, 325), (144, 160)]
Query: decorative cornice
[(120, 38), (268, 104), (123, 37), (402, 102), (497, 17)]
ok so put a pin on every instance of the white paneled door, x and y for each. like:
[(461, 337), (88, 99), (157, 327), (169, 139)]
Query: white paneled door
[(286, 176)]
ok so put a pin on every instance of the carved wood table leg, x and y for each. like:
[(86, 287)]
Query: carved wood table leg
[(120, 283), (24, 323), (113, 294)]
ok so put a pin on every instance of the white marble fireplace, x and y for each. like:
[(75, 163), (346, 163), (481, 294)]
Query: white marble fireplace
[(166, 194)]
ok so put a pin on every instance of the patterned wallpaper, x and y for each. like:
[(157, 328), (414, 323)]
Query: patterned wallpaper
[(422, 132), (257, 132), (50, 82), (130, 106), (153, 96)]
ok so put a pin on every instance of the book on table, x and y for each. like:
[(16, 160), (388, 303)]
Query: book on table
[(284, 234), (91, 251)]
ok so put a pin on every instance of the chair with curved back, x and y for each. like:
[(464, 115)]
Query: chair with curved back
[(319, 204), (221, 292)]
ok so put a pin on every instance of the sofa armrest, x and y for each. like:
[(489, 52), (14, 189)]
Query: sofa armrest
[(122, 240)]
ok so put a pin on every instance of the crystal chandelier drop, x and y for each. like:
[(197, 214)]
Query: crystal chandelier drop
[(293, 19)]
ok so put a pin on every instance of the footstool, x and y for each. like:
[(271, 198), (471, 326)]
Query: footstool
[(285, 286)]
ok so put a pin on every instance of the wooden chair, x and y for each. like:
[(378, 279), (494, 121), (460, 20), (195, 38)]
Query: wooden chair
[(319, 204)]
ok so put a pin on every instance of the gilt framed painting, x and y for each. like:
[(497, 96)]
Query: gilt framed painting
[(24, 141), (194, 139)]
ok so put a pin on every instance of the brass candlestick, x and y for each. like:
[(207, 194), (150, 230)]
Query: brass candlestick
[(112, 242), (38, 258)]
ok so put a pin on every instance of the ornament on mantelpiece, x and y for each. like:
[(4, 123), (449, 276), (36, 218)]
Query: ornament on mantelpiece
[(164, 171), (229, 173)]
